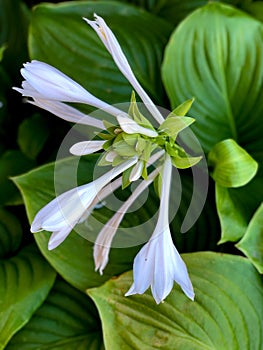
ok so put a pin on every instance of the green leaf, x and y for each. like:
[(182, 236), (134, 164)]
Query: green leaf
[(175, 11), (25, 281), (136, 115), (236, 206), (67, 320), (12, 163), (173, 125), (232, 165), (232, 219), (60, 37), (252, 242), (33, 132), (216, 55), (14, 18), (184, 163), (182, 109), (10, 233), (2, 50), (254, 8), (228, 297)]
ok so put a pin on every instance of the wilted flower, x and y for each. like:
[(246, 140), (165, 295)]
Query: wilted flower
[(129, 146)]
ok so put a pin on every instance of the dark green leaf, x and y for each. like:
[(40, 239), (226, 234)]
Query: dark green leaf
[(10, 233), (14, 18), (67, 320), (12, 163), (252, 242), (216, 56), (32, 135), (25, 281)]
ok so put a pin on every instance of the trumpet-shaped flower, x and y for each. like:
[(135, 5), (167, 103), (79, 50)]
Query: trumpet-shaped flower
[(48, 83), (130, 147), (158, 264), (112, 45), (64, 212)]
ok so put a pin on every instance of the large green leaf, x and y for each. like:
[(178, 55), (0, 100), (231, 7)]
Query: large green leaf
[(252, 242), (215, 54), (176, 10), (73, 259), (67, 320), (14, 22), (61, 38), (226, 313), (25, 281)]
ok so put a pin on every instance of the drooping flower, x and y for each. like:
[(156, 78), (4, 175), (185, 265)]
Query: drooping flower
[(129, 146), (158, 264), (64, 212)]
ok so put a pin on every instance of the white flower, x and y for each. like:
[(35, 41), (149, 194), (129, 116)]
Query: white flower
[(158, 264), (86, 147), (64, 212), (45, 82), (112, 45)]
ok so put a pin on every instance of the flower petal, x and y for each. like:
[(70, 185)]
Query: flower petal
[(131, 127), (67, 112), (63, 211), (112, 45), (136, 171), (142, 270), (66, 209), (86, 147), (58, 237), (47, 82)]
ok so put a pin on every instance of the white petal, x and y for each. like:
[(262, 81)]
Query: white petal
[(136, 171), (58, 237), (110, 156), (143, 269), (68, 208), (86, 147), (181, 276), (67, 112), (52, 83), (131, 127), (112, 45), (64, 210), (47, 82)]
